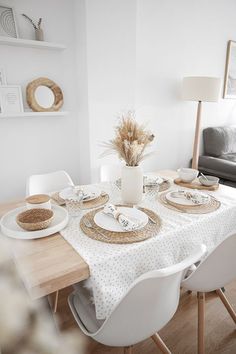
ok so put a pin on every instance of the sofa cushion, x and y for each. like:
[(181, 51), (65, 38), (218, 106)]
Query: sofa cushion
[(218, 167), (229, 157), (219, 140)]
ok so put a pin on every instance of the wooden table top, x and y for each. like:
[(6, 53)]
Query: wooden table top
[(49, 264)]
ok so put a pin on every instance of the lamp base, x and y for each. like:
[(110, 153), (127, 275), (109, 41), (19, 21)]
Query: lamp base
[(197, 137)]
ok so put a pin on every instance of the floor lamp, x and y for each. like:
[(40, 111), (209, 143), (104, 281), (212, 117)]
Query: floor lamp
[(200, 89)]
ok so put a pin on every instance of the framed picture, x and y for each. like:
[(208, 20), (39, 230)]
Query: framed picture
[(230, 71), (8, 26), (3, 80), (11, 99)]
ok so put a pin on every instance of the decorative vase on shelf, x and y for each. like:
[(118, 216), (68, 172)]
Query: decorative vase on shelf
[(131, 184), (39, 36)]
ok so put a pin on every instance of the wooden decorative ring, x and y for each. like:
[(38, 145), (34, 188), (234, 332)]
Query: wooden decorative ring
[(30, 95)]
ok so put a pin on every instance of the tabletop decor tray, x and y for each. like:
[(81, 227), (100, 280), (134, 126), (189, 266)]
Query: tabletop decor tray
[(151, 229), (196, 185), (213, 205), (94, 203), (10, 228)]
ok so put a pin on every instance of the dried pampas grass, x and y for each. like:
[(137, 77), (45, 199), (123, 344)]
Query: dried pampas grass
[(130, 142)]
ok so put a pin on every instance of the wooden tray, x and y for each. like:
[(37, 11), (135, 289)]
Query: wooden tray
[(196, 185)]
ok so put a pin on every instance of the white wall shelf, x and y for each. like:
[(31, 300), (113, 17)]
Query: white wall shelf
[(19, 42), (34, 114)]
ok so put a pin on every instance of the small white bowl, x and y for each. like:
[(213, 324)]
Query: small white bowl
[(210, 181), (187, 174)]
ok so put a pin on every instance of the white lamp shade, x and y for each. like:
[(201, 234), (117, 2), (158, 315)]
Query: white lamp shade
[(206, 89)]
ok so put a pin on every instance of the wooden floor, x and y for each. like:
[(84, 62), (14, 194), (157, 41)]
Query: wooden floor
[(180, 334)]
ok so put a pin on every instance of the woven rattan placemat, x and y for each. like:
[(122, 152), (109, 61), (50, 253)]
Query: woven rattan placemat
[(95, 203), (211, 206), (150, 230)]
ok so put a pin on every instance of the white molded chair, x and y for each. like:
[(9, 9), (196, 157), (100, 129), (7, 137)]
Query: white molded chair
[(148, 305), (110, 173), (46, 183), (212, 274), (49, 182)]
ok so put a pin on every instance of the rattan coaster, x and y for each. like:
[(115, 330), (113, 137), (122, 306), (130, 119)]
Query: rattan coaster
[(162, 187), (211, 206), (150, 230), (90, 204)]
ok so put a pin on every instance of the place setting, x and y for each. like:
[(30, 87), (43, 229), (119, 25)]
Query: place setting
[(81, 198), (120, 224), (191, 202)]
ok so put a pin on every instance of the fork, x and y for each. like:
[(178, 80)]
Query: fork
[(88, 224)]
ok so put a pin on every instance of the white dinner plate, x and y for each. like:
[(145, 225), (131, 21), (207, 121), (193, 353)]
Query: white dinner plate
[(109, 223), (10, 228), (92, 191), (181, 200)]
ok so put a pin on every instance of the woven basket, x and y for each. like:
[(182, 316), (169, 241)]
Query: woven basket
[(35, 219)]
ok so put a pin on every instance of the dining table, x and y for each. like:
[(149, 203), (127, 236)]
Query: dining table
[(50, 264)]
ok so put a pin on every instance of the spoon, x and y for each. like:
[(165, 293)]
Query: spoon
[(204, 176)]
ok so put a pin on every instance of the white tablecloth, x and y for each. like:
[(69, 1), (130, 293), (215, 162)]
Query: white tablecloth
[(114, 267)]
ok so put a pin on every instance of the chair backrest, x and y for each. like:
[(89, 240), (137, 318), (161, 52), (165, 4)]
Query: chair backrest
[(110, 173), (217, 270), (48, 182), (148, 305)]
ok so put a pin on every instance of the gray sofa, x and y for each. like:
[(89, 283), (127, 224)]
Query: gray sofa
[(219, 157)]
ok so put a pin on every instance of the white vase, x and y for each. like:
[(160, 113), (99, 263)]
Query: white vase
[(39, 34), (131, 184)]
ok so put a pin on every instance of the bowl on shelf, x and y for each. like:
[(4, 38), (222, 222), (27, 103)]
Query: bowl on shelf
[(35, 219), (209, 180), (187, 174)]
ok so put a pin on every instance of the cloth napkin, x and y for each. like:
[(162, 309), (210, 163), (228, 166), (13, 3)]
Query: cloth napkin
[(195, 196), (127, 223)]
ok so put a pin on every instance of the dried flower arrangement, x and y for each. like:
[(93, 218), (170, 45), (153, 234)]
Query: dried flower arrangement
[(36, 26), (130, 142)]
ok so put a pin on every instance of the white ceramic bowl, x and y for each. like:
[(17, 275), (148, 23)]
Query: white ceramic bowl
[(210, 181), (187, 174)]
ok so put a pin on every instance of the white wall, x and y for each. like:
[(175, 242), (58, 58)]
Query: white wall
[(40, 144), (121, 54), (111, 53), (177, 39), (138, 51)]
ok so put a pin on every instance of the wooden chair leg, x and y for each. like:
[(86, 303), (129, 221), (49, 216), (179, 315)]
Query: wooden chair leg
[(128, 350), (227, 304), (160, 344), (201, 322), (55, 302)]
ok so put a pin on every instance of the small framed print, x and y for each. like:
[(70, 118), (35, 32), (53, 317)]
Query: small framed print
[(230, 71), (3, 80), (8, 26), (11, 99)]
